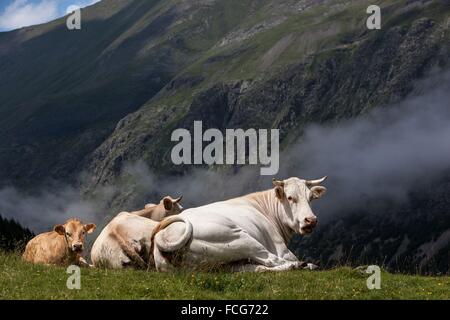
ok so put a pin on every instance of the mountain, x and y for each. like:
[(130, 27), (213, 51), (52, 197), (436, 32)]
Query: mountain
[(94, 100)]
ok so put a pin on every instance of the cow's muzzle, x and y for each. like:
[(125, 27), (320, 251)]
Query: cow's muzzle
[(77, 247), (309, 225)]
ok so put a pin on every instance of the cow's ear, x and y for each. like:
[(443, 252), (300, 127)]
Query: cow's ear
[(279, 192), (279, 188), (59, 228), (276, 182), (317, 192), (89, 228), (167, 203)]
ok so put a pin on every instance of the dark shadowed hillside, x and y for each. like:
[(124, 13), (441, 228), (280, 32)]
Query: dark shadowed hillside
[(13, 237)]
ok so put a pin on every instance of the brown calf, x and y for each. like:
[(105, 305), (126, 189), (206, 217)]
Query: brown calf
[(62, 246)]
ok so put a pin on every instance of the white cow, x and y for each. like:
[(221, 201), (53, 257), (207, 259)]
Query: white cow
[(251, 232), (126, 240)]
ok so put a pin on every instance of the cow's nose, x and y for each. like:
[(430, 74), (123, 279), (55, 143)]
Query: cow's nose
[(311, 221), (77, 247)]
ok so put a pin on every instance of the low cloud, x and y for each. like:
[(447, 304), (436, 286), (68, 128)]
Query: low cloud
[(53, 205)]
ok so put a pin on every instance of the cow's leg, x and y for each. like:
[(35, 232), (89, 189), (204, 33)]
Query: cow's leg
[(284, 260), (261, 268), (130, 250), (268, 259), (248, 248), (239, 246), (245, 268), (289, 256), (284, 267), (80, 261), (288, 266), (260, 255)]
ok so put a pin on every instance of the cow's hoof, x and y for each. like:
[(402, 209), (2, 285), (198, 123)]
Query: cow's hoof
[(311, 266), (261, 269)]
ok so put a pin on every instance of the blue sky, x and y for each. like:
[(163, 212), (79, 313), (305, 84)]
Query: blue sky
[(19, 13)]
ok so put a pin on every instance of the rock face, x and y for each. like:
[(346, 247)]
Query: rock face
[(150, 67)]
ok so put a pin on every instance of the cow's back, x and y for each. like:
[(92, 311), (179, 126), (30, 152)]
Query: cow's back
[(215, 220), (228, 214), (46, 248)]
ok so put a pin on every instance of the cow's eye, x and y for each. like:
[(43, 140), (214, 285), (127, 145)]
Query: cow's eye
[(68, 234), (290, 198)]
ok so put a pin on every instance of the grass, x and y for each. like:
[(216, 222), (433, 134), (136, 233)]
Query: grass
[(19, 280)]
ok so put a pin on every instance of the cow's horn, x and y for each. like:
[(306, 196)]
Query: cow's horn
[(277, 183), (312, 183), (178, 199)]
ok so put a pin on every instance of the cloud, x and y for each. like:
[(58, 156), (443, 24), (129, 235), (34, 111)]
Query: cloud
[(22, 13), (53, 205)]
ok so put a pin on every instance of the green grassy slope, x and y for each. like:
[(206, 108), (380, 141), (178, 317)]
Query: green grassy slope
[(19, 280)]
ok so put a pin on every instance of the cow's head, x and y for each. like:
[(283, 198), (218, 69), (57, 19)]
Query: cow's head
[(74, 231), (295, 195), (168, 206), (171, 206)]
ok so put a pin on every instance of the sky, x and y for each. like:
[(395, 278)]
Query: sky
[(15, 14)]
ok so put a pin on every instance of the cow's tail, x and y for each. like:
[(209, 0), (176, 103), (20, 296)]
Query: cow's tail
[(129, 251), (165, 246)]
